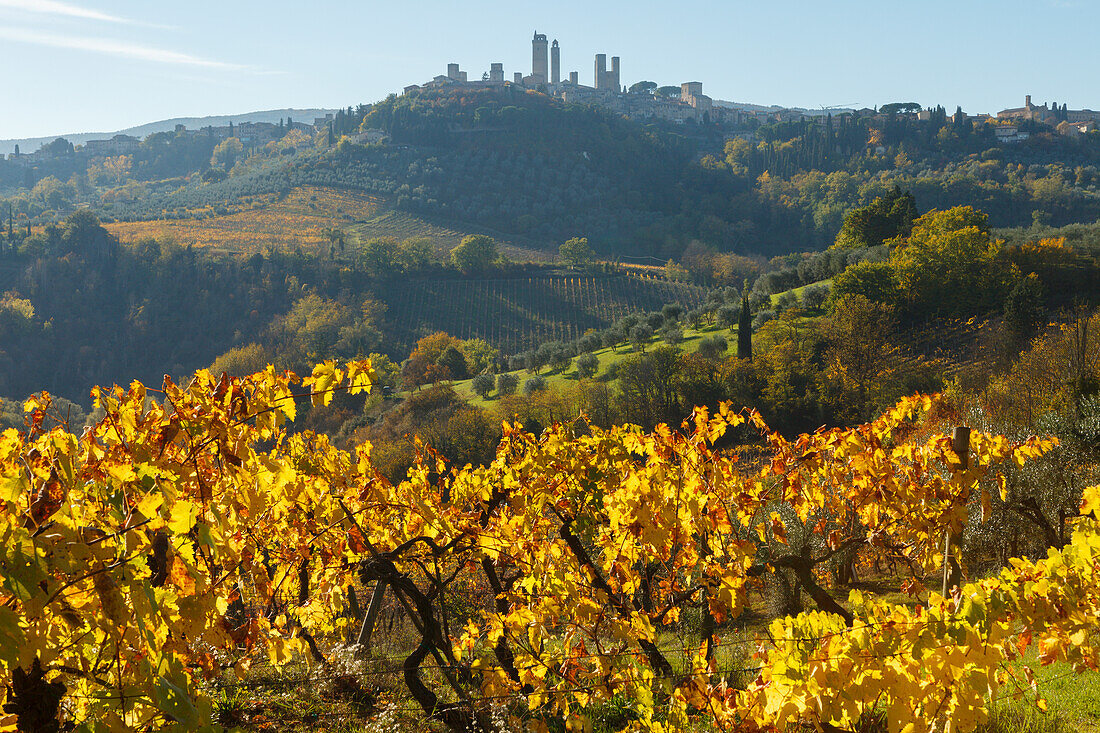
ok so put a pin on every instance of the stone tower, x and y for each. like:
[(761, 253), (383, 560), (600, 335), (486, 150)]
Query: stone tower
[(601, 70), (539, 65), (614, 84), (555, 63)]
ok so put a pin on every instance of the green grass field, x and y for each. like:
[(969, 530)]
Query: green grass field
[(609, 358)]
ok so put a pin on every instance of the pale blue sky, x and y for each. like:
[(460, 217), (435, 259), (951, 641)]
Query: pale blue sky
[(97, 65)]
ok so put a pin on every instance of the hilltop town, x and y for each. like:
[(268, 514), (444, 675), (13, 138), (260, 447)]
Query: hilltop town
[(643, 100)]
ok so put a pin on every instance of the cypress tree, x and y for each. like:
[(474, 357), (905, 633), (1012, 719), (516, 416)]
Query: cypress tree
[(744, 326)]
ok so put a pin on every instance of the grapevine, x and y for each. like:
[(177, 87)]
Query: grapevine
[(188, 535)]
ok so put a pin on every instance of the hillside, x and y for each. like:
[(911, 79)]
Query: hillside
[(535, 171), (295, 220), (518, 313)]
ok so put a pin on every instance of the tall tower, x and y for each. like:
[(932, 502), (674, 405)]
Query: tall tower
[(555, 63), (615, 84), (601, 70), (539, 65)]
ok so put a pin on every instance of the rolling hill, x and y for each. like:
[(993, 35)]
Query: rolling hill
[(30, 144)]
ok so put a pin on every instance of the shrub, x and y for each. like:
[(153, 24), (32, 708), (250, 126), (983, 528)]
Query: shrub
[(712, 347)]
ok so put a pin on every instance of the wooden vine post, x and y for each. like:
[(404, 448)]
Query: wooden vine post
[(952, 541)]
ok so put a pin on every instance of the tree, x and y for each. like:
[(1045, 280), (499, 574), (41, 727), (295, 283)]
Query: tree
[(642, 87), (483, 384), (899, 107), (454, 361), (589, 342), (814, 296), (226, 153), (560, 358), (883, 219), (860, 359), (534, 385), (587, 365), (475, 252), (948, 265), (640, 335), (506, 383), (877, 281), (1024, 312), (672, 335), (744, 326), (576, 252), (480, 355), (381, 256), (422, 366), (727, 316), (668, 92), (647, 386)]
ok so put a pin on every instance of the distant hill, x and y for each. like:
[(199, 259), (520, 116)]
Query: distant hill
[(30, 144)]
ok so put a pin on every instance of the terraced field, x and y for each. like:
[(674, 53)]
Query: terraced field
[(516, 314), (288, 221)]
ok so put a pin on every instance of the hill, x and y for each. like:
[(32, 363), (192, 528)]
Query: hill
[(536, 171), (30, 144)]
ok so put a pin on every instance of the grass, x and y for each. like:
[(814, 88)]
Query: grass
[(608, 357), (798, 291), (1073, 701), (403, 225)]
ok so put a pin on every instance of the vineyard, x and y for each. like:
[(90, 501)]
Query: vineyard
[(514, 314), (402, 225), (281, 221), (186, 543)]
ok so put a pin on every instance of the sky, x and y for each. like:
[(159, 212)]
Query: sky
[(102, 65)]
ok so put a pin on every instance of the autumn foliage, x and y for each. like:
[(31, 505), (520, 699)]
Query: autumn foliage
[(188, 535)]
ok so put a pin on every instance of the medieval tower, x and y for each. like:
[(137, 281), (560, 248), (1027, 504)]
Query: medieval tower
[(555, 63), (539, 65)]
